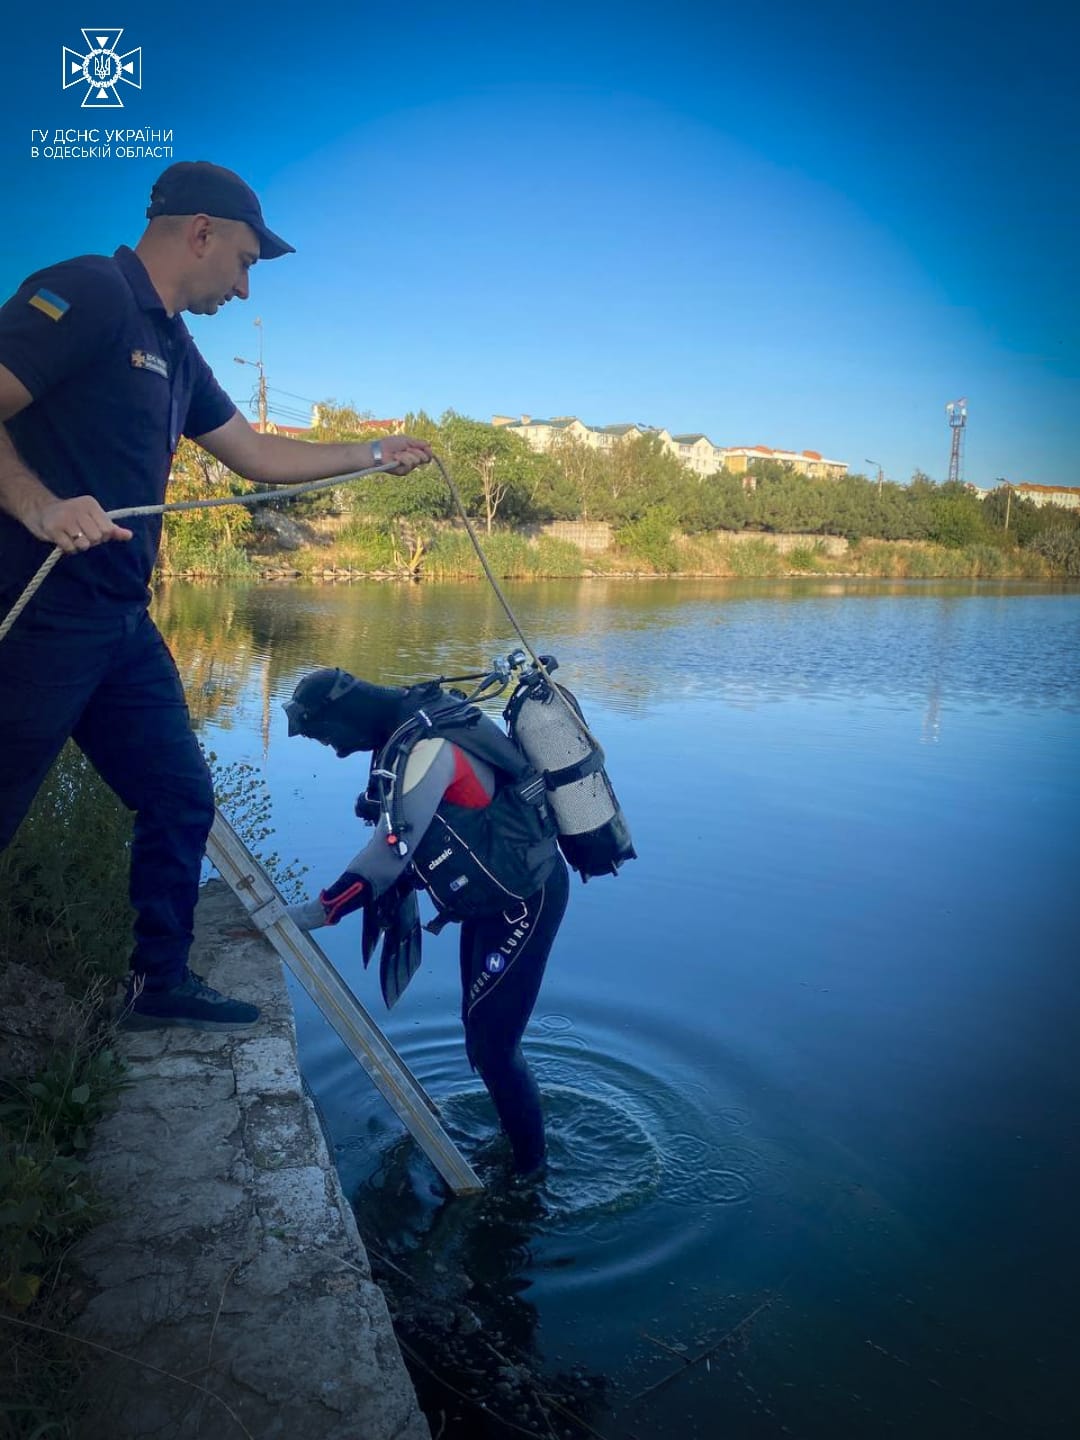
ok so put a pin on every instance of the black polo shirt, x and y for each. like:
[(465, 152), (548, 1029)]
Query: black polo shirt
[(116, 382)]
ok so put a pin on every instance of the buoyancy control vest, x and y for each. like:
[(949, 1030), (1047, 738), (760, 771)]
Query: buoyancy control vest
[(472, 861)]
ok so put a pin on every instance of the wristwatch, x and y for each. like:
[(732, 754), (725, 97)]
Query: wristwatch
[(376, 452)]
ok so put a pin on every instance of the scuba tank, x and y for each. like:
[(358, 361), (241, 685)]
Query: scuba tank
[(552, 735)]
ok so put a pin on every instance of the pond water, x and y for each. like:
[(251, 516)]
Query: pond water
[(809, 1063)]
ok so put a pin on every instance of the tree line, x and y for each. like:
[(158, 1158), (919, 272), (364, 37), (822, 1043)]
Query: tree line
[(506, 485)]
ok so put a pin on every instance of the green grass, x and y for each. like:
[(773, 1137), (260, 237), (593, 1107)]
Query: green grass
[(511, 556), (63, 912), (203, 556), (808, 557), (63, 880), (754, 559), (652, 539)]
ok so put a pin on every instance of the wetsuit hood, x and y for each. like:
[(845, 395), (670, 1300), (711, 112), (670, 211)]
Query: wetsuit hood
[(348, 714)]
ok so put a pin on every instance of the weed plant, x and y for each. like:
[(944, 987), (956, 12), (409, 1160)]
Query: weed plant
[(808, 557), (243, 797), (204, 554), (652, 539), (63, 880), (64, 913), (754, 559), (511, 556)]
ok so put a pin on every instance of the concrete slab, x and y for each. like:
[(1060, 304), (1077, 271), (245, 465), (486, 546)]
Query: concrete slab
[(230, 1279)]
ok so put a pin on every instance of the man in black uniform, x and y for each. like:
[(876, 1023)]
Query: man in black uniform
[(486, 858), (99, 378)]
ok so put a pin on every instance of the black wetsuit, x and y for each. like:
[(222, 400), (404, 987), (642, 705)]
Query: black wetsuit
[(503, 955), (502, 964)]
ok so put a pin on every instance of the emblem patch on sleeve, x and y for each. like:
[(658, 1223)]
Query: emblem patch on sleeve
[(143, 360), (54, 306)]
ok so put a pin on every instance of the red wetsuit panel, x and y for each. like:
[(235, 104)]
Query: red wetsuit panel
[(466, 788)]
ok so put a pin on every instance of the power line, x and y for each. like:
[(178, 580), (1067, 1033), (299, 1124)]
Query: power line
[(306, 398)]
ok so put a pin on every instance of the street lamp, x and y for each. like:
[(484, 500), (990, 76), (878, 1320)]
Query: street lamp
[(879, 475), (258, 364)]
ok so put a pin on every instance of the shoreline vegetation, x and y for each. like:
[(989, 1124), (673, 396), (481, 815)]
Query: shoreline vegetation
[(65, 937), (65, 932), (631, 511)]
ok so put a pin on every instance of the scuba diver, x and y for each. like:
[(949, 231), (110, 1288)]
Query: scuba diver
[(458, 811)]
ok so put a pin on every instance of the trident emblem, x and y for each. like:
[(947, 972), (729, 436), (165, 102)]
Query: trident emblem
[(102, 69)]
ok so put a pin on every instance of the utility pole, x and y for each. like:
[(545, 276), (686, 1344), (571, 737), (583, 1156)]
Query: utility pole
[(258, 364), (880, 476), (1008, 504)]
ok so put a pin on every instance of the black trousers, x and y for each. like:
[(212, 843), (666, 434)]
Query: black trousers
[(108, 680), (503, 958)]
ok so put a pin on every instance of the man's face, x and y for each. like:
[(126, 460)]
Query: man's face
[(229, 251)]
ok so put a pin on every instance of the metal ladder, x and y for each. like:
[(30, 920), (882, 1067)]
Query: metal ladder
[(381, 1062)]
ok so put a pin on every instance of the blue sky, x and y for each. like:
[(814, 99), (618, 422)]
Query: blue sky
[(803, 226)]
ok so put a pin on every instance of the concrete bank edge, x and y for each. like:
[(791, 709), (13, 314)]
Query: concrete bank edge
[(229, 1277)]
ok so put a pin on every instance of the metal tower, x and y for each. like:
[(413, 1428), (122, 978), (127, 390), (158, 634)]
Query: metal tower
[(957, 413)]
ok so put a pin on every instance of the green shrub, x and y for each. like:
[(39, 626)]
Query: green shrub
[(45, 1124), (806, 557), (1059, 545), (63, 880), (924, 562), (986, 560), (63, 911), (204, 552), (755, 559), (652, 538), (243, 797), (510, 555), (558, 558), (364, 544)]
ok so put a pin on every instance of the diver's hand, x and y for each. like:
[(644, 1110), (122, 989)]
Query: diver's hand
[(349, 892)]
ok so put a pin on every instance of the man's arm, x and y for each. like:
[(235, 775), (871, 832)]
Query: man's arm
[(74, 524), (277, 460)]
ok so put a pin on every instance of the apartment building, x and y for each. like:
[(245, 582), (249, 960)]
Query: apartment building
[(543, 434), (1067, 496), (737, 459), (695, 450)]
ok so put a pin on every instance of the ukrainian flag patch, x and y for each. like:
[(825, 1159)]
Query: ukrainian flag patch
[(49, 304)]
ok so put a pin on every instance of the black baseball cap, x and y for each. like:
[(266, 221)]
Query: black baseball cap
[(195, 187)]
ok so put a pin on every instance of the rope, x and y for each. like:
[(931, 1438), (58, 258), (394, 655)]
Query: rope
[(287, 492), (293, 492), (556, 690)]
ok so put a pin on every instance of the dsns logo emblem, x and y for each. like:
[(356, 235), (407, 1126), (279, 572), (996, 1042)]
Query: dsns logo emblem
[(102, 69)]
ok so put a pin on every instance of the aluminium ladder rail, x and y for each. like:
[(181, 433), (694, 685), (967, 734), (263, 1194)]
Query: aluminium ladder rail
[(381, 1062)]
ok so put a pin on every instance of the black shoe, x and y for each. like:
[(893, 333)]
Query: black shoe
[(192, 1003)]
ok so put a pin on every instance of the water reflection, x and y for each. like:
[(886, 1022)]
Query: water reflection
[(749, 643), (810, 1059)]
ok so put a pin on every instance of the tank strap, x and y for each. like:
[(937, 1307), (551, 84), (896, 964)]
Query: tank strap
[(569, 774)]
